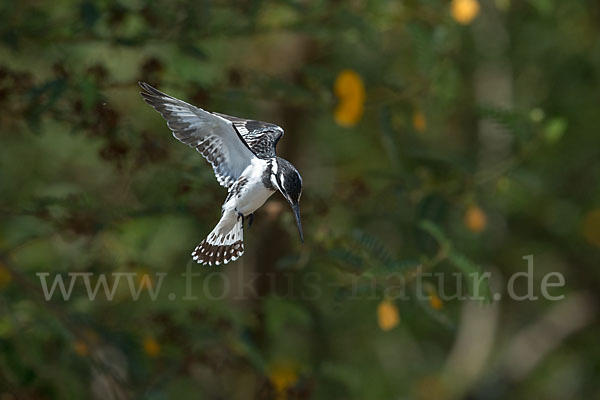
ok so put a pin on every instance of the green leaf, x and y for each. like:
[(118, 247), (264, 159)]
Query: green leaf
[(348, 259), (471, 271), (374, 248), (435, 231), (555, 129), (513, 121)]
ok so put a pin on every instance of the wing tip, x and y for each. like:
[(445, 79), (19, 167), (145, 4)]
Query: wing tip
[(145, 87), (149, 91)]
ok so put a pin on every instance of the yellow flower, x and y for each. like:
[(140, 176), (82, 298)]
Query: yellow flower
[(282, 376), (591, 227), (419, 121), (350, 91), (387, 315), (475, 219), (5, 276), (151, 347), (435, 302), (464, 11)]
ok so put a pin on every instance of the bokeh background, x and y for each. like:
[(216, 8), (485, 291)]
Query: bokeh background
[(459, 136)]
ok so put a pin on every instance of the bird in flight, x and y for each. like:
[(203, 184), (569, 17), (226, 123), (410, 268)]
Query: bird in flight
[(242, 154)]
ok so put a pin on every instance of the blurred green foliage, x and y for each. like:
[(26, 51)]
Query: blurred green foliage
[(455, 143)]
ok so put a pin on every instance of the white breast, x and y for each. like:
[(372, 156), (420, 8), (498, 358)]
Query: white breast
[(254, 193)]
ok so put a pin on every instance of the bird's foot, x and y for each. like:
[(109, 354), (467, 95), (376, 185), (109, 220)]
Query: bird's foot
[(250, 220)]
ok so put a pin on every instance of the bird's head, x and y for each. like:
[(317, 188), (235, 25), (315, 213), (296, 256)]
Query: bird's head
[(286, 178)]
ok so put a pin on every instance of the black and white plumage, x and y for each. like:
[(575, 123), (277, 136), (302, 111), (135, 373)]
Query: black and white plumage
[(242, 154), (261, 137)]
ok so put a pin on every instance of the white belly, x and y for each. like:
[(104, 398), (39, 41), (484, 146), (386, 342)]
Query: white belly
[(253, 198), (253, 193)]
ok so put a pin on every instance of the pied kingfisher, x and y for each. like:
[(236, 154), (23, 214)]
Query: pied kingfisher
[(242, 154)]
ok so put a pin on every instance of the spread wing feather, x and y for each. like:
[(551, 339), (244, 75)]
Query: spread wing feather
[(212, 135), (261, 137)]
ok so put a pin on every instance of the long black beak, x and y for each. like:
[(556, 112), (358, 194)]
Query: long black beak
[(296, 209)]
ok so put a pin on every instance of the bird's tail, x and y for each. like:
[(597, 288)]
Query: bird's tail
[(224, 244)]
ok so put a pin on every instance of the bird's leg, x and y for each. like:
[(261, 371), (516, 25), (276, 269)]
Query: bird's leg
[(240, 215), (250, 220)]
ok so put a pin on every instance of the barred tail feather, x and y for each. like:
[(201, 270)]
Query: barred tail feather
[(221, 246)]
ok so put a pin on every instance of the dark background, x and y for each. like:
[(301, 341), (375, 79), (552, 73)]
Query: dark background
[(459, 136)]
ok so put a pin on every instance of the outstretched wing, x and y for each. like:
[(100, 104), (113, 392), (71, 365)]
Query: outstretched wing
[(261, 137), (213, 136)]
